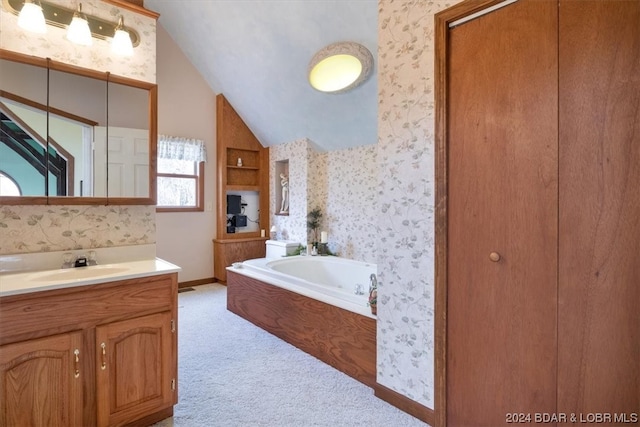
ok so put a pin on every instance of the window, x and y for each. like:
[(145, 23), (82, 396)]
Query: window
[(8, 186), (180, 174)]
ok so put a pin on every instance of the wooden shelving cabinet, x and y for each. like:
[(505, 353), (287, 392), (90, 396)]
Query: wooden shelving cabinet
[(242, 166)]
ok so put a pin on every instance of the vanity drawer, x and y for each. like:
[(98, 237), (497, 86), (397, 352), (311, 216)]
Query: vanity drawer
[(46, 313)]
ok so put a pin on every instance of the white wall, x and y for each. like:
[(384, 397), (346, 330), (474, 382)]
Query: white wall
[(186, 107)]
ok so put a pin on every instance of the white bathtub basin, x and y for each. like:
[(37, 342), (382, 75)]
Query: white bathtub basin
[(328, 279)]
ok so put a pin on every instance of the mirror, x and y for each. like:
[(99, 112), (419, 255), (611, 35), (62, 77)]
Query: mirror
[(23, 129), (99, 132), (128, 146), (77, 110)]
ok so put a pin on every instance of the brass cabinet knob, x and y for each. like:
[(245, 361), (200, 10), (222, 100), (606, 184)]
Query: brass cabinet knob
[(494, 256)]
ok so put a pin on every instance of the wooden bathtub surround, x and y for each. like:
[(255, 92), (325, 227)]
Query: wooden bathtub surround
[(340, 338), (95, 355), (228, 251)]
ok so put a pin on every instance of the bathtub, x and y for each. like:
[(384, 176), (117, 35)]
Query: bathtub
[(311, 303), (329, 279)]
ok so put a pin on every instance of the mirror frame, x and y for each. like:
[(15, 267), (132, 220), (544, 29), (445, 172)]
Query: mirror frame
[(152, 88)]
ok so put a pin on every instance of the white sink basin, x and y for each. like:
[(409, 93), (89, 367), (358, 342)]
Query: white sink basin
[(76, 273), (45, 280)]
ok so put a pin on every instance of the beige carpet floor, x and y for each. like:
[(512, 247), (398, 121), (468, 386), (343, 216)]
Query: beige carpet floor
[(232, 373)]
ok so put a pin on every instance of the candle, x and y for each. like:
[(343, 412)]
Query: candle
[(323, 237)]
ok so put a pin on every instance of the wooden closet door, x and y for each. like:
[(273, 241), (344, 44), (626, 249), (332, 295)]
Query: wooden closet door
[(599, 253), (502, 190)]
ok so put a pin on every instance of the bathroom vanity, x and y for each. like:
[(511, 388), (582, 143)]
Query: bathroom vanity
[(90, 346)]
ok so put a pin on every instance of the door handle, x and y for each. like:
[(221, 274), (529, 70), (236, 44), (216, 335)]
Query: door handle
[(103, 366), (76, 372)]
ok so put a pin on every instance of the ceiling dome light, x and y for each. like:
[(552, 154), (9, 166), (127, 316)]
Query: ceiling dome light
[(340, 67), (78, 31), (31, 18)]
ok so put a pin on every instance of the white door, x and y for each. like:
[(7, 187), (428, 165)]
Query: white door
[(128, 161)]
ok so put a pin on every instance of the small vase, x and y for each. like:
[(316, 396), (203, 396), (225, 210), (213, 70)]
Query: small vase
[(374, 309)]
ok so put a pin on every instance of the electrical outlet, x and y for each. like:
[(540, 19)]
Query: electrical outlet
[(209, 206)]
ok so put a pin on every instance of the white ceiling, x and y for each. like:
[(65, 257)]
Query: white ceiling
[(256, 53)]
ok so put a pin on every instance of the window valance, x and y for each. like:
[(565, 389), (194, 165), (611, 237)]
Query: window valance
[(179, 148)]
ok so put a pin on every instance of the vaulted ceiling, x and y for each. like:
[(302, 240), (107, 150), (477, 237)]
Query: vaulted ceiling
[(256, 52)]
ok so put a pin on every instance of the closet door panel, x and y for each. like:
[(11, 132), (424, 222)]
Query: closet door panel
[(599, 228), (502, 139)]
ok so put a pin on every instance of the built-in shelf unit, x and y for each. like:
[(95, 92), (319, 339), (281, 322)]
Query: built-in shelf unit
[(243, 169)]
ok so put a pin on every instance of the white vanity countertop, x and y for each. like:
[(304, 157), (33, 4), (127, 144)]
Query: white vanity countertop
[(36, 281)]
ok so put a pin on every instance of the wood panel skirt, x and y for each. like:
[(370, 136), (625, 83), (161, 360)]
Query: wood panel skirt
[(228, 251), (340, 338)]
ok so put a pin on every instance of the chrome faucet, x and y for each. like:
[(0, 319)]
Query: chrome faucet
[(81, 261), (69, 261)]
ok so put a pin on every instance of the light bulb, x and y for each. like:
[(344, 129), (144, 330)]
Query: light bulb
[(31, 18), (78, 31), (121, 43)]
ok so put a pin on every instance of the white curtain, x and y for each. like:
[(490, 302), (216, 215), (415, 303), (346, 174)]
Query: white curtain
[(178, 148)]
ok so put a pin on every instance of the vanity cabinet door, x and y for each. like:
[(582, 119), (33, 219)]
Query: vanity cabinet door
[(41, 382), (135, 368)]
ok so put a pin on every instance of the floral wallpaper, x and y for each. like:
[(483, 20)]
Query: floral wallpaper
[(341, 183), (318, 195), (28, 229), (54, 45), (405, 223), (351, 211)]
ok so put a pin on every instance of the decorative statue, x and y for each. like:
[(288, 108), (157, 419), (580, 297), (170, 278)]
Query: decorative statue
[(284, 182)]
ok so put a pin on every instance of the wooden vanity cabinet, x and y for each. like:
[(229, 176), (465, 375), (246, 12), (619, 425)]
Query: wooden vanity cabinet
[(102, 355), (39, 385), (134, 372)]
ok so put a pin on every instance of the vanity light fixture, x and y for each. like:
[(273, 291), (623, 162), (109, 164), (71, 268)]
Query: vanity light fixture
[(62, 17), (121, 43), (78, 31), (31, 17), (340, 67)]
